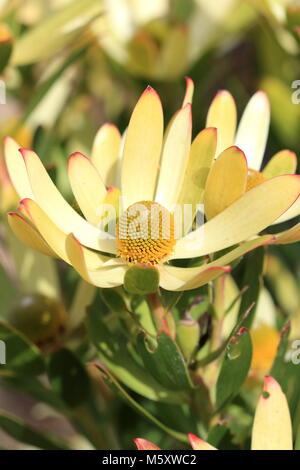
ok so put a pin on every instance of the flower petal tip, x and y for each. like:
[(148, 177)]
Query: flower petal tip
[(143, 444), (270, 384), (223, 93), (76, 155), (189, 81), (25, 202), (226, 269), (149, 90), (7, 138), (210, 129), (110, 189), (23, 151), (199, 444), (262, 100), (12, 214)]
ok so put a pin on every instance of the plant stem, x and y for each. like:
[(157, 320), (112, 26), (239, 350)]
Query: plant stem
[(160, 316)]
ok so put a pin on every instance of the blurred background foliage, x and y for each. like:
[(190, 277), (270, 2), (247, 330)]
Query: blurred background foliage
[(69, 66)]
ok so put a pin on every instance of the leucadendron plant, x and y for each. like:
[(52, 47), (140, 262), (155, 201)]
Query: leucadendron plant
[(168, 231)]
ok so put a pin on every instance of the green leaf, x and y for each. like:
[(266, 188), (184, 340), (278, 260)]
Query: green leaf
[(141, 280), (188, 337), (182, 11), (164, 362), (45, 86), (217, 434), (69, 378), (35, 389), (22, 356), (141, 310), (279, 361), (289, 380), (110, 379), (114, 353), (235, 367), (253, 280), (212, 356), (113, 300), (201, 395), (55, 32), (20, 431), (9, 293), (6, 47)]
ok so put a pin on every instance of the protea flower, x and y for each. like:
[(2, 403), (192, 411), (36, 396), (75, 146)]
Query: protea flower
[(251, 137), (154, 171)]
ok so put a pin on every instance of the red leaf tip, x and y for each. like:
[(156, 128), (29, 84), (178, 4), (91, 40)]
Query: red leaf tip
[(143, 444), (270, 383)]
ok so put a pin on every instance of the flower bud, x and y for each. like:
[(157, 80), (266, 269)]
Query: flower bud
[(38, 317), (188, 336)]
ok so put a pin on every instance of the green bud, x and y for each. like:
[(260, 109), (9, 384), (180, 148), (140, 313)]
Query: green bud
[(38, 317), (188, 336), (141, 280)]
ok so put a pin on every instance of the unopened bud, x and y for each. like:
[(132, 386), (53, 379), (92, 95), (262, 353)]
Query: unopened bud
[(188, 336), (38, 317)]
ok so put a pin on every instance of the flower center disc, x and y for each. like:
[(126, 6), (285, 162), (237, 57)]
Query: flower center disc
[(145, 233)]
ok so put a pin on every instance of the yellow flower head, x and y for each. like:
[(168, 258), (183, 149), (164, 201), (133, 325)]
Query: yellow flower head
[(158, 171), (146, 237)]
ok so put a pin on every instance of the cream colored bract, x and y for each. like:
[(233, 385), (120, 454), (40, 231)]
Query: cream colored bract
[(164, 166)]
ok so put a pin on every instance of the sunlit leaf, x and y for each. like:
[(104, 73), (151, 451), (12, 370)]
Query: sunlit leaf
[(164, 362)]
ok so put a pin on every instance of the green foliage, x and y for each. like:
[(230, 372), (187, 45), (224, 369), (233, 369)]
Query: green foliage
[(164, 361), (22, 357), (20, 431), (116, 355), (235, 367), (252, 279), (69, 378)]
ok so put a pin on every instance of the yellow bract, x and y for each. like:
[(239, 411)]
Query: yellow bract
[(105, 152), (222, 115), (272, 428), (229, 175), (142, 149), (165, 170), (254, 178), (281, 163)]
